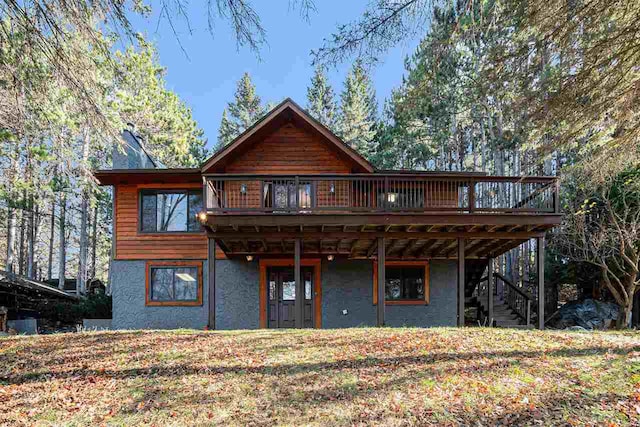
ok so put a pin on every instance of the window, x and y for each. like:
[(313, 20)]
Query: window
[(407, 282), (282, 195), (404, 283), (170, 211), (174, 283)]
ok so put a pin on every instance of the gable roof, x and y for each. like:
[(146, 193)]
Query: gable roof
[(287, 109)]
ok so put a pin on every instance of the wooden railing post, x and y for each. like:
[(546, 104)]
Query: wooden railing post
[(528, 312), (297, 190), (472, 195)]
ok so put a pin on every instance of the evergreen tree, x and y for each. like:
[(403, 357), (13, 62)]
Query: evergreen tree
[(243, 112), (320, 99), (358, 111)]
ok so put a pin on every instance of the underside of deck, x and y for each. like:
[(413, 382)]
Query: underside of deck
[(355, 236)]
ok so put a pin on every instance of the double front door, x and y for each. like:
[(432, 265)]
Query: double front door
[(282, 297)]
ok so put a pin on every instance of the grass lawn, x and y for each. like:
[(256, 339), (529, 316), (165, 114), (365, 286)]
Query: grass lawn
[(338, 377)]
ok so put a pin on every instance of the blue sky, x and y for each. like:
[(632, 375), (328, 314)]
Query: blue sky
[(205, 77)]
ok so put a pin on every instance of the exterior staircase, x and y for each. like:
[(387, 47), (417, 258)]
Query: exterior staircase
[(505, 317)]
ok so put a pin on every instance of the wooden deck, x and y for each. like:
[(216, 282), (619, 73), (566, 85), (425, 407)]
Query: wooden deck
[(419, 215)]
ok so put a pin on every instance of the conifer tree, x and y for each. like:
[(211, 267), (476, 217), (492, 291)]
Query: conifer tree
[(320, 99), (358, 111), (243, 112)]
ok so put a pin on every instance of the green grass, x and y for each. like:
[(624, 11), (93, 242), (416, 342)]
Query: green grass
[(341, 377)]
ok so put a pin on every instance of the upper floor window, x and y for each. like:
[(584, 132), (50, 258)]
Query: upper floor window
[(170, 210)]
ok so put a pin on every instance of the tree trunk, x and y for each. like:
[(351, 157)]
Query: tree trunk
[(62, 258), (94, 239), (625, 314), (81, 279), (31, 230), (11, 240), (52, 232), (21, 250)]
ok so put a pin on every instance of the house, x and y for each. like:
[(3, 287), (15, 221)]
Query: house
[(287, 226)]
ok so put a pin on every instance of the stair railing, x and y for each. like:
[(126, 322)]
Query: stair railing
[(516, 299)]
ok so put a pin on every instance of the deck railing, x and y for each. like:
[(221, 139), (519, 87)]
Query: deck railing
[(361, 193)]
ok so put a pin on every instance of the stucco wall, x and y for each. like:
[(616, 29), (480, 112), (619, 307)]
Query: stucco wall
[(348, 285), (130, 312), (237, 294), (237, 299)]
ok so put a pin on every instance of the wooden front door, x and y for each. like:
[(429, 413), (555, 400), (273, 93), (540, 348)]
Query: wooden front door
[(282, 297)]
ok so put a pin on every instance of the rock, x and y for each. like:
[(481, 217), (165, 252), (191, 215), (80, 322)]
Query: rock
[(588, 314)]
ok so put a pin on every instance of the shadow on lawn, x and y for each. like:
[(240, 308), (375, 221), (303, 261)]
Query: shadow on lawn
[(173, 370)]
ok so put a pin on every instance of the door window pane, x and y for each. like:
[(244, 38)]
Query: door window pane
[(304, 195), (288, 290), (307, 284), (280, 196)]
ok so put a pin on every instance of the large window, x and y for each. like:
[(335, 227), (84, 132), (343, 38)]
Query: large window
[(404, 283), (170, 211), (176, 283)]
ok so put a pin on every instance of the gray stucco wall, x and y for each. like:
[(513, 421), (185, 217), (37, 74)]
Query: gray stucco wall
[(237, 294), (348, 285), (237, 299), (130, 312)]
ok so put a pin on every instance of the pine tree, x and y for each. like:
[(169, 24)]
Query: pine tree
[(243, 112), (320, 99), (227, 130), (358, 111)]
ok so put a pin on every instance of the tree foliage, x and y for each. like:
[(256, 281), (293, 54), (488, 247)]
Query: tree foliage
[(358, 111), (321, 103), (242, 112)]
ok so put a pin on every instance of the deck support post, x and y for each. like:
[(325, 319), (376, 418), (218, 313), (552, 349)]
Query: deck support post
[(299, 303), (381, 280), (461, 279), (490, 288), (540, 272), (211, 276)]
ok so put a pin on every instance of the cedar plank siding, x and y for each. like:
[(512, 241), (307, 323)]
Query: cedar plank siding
[(289, 150), (134, 245)]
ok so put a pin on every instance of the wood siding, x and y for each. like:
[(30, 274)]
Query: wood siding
[(289, 150), (131, 244)]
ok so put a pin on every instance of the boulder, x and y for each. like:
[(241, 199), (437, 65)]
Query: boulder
[(588, 314)]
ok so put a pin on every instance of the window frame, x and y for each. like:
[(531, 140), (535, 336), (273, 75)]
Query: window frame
[(174, 264), (154, 191), (407, 264)]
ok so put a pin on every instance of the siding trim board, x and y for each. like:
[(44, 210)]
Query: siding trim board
[(317, 286)]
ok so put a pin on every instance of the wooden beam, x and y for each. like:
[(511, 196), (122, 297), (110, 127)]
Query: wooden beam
[(409, 248), (211, 279), (381, 281), (372, 248), (299, 302), (461, 281), (500, 219), (454, 235), (540, 270), (422, 251)]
